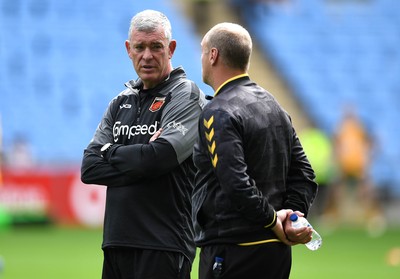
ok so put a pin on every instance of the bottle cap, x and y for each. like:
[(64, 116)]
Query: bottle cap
[(294, 217), (219, 259)]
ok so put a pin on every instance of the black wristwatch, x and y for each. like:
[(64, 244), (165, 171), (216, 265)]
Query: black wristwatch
[(105, 148)]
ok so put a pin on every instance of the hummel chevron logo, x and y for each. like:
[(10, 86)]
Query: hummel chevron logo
[(209, 133), (212, 147), (214, 160), (208, 123)]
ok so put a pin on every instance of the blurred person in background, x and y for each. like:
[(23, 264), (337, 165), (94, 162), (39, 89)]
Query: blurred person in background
[(353, 200), (201, 11), (142, 151), (252, 170), (20, 155), (319, 149)]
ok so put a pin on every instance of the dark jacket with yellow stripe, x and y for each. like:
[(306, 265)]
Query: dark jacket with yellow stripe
[(250, 164)]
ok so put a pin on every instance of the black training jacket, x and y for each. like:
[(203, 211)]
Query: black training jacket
[(250, 165), (149, 185)]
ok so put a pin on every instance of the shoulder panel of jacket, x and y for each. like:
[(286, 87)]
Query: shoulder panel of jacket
[(180, 116)]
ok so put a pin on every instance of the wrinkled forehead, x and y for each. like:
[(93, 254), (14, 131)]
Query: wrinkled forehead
[(149, 36)]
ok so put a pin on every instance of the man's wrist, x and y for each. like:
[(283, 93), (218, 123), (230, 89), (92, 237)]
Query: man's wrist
[(105, 148), (273, 221)]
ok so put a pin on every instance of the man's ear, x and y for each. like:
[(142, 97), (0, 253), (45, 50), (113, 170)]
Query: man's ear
[(214, 55), (172, 47), (128, 48)]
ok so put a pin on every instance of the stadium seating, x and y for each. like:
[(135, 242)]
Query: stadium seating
[(63, 61), (338, 53)]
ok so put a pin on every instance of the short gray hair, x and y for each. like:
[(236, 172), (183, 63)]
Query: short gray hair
[(233, 43), (149, 21)]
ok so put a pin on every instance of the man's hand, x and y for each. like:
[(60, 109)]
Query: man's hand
[(281, 218), (299, 235), (156, 135)]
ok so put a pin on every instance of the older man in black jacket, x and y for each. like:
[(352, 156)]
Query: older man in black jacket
[(142, 151)]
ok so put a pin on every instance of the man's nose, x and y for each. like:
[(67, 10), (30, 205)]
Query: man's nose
[(147, 53)]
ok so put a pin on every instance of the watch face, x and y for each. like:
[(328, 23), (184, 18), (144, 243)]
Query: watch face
[(104, 148)]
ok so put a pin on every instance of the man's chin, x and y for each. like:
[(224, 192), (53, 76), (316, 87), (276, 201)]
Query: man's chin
[(149, 81), (148, 77)]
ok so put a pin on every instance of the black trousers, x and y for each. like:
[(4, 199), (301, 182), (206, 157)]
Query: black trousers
[(132, 263), (264, 261)]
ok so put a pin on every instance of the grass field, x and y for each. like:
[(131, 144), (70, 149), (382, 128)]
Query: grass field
[(52, 252)]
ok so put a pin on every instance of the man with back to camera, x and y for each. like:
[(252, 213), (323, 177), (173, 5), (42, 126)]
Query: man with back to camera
[(252, 170), (142, 152)]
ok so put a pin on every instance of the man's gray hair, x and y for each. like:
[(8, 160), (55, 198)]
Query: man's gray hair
[(149, 21)]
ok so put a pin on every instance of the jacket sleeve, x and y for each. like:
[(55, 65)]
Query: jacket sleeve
[(95, 169), (143, 160), (225, 144), (300, 184), (175, 144)]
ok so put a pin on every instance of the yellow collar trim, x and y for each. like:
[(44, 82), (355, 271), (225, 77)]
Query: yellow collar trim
[(259, 242), (229, 80)]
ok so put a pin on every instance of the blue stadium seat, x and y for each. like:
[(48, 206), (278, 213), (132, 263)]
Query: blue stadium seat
[(63, 61), (336, 53)]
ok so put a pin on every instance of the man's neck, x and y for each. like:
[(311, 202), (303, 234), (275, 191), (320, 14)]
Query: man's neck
[(224, 79)]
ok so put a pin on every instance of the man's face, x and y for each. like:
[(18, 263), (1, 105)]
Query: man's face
[(150, 54)]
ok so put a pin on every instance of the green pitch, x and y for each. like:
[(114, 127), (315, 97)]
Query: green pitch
[(51, 252)]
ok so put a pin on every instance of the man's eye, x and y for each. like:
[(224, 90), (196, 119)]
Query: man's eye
[(138, 48)]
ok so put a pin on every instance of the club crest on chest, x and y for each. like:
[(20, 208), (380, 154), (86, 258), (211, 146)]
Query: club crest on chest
[(157, 104)]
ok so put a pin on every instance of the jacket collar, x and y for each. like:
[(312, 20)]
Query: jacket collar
[(230, 81)]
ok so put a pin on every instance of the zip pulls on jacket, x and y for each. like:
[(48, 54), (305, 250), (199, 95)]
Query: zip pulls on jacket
[(140, 98), (138, 113)]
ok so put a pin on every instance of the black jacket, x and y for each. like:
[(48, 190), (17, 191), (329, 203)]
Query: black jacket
[(149, 184), (250, 165)]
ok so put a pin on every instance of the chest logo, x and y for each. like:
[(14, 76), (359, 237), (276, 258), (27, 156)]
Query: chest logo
[(157, 104), (127, 106)]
